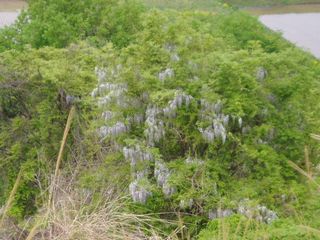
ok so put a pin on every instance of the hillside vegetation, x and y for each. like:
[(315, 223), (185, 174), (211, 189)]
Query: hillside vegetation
[(183, 125)]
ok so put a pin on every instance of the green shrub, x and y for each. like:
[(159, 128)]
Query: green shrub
[(237, 227), (59, 23), (200, 74)]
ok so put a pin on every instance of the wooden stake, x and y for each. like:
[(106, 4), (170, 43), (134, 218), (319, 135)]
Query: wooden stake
[(33, 231), (11, 197)]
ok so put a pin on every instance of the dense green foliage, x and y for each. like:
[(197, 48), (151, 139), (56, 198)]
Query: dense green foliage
[(32, 115), (59, 23), (264, 92), (237, 227)]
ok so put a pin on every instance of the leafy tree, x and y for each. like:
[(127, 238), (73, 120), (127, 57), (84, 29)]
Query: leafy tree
[(59, 23)]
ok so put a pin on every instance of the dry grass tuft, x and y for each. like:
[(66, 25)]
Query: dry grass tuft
[(304, 173), (308, 174), (77, 215)]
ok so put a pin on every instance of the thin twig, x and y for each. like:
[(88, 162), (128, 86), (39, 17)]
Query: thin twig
[(307, 160), (304, 173), (315, 136)]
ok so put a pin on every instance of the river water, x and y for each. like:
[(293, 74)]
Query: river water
[(300, 24), (9, 11), (7, 18)]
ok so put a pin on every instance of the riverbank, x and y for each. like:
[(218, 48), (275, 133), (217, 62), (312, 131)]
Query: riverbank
[(298, 8), (9, 11), (11, 5), (269, 3), (209, 5)]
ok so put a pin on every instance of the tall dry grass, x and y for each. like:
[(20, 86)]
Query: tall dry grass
[(72, 213), (53, 184), (76, 214), (308, 174)]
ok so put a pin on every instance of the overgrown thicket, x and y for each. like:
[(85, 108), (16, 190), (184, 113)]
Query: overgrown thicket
[(194, 115)]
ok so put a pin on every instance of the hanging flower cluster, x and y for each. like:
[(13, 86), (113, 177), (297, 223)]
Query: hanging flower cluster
[(194, 161), (220, 213), (140, 174), (109, 92), (138, 156), (104, 74), (107, 115), (168, 73), (155, 130), (113, 131), (240, 122), (101, 74), (259, 213), (139, 193), (219, 122), (162, 175), (181, 98), (184, 204), (155, 126), (106, 93), (208, 108), (110, 89), (171, 48), (136, 119), (261, 74), (175, 57)]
